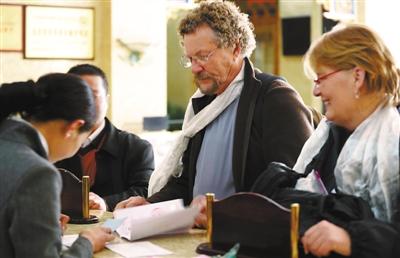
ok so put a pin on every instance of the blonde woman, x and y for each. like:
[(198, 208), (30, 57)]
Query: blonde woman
[(358, 82)]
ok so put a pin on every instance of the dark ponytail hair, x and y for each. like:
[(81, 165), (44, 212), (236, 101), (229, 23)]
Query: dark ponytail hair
[(53, 96)]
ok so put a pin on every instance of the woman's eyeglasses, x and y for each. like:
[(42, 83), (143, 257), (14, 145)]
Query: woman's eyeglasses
[(325, 76)]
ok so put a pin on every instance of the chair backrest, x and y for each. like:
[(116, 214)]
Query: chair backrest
[(75, 198), (261, 226), (71, 194)]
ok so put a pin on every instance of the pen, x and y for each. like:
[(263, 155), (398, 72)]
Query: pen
[(320, 183)]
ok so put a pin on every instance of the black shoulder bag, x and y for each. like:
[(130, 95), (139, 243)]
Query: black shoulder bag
[(277, 182)]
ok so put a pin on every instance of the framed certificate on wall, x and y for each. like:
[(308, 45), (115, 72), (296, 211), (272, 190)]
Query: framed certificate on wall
[(59, 32), (11, 28)]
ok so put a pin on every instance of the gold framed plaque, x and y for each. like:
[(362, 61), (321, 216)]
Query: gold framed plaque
[(59, 32), (11, 27)]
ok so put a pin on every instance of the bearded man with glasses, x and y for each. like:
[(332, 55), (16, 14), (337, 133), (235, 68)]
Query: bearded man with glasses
[(237, 122)]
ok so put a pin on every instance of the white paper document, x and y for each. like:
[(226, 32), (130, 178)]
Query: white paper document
[(137, 249), (68, 240), (155, 219)]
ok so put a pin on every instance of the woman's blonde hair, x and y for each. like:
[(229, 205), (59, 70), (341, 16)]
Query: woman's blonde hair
[(354, 45)]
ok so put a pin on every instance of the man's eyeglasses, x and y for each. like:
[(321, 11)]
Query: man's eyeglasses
[(325, 76), (201, 59)]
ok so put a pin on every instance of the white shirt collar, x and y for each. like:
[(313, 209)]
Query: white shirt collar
[(93, 136)]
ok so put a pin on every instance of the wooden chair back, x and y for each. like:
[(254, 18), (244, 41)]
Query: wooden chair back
[(261, 226)]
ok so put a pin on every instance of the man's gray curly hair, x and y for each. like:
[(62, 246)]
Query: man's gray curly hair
[(229, 24)]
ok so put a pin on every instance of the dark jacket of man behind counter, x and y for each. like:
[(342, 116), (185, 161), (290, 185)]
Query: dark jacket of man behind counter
[(124, 164)]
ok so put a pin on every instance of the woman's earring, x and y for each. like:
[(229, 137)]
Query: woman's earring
[(356, 94), (71, 134)]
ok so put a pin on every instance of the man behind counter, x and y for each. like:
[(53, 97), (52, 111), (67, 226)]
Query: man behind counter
[(119, 163)]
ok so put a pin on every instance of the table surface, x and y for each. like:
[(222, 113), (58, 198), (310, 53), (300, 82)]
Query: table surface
[(181, 245)]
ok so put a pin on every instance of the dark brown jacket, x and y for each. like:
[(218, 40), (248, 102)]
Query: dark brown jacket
[(272, 124), (124, 166)]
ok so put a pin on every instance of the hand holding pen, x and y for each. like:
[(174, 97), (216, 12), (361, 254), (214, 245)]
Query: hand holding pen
[(320, 183)]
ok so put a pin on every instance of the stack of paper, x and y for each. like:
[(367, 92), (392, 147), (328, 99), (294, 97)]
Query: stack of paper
[(154, 219)]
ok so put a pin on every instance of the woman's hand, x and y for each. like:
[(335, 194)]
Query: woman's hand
[(98, 236), (324, 238), (64, 219)]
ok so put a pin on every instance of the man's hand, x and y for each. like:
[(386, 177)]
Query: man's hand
[(96, 202), (64, 219), (131, 202), (201, 203), (98, 236), (324, 238)]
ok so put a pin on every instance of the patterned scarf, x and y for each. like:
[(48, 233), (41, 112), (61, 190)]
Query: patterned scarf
[(367, 166)]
